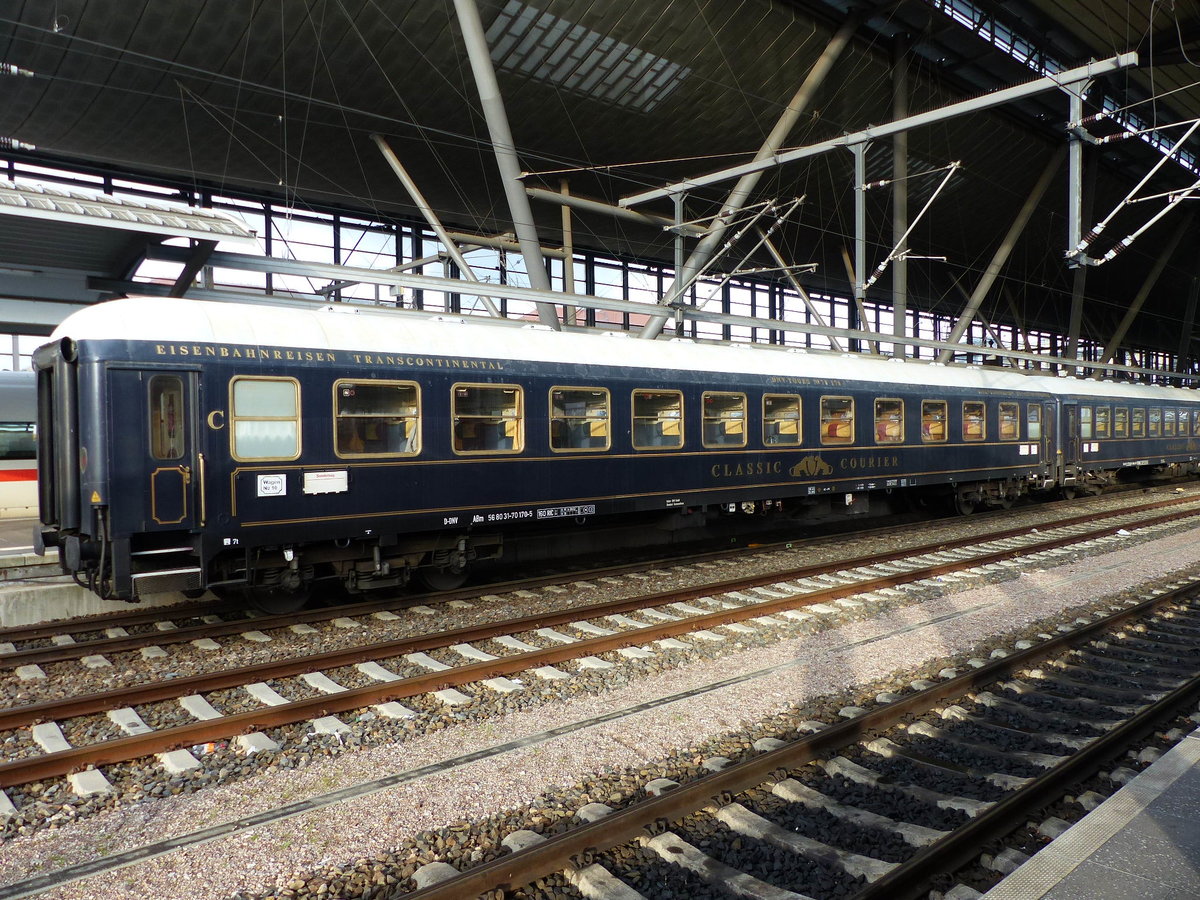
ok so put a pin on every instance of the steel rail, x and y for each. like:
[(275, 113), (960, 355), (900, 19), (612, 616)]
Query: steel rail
[(59, 653), (122, 749), (578, 846)]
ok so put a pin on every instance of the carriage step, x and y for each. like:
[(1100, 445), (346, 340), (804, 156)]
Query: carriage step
[(181, 579), (160, 552)]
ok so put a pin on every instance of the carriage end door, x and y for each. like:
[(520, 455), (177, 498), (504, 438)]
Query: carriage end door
[(153, 421), (1070, 437)]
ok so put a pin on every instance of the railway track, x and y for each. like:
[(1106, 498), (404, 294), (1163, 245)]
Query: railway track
[(438, 664), (133, 628), (56, 642), (890, 802)]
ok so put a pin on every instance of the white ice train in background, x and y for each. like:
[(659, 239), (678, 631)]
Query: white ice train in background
[(18, 445)]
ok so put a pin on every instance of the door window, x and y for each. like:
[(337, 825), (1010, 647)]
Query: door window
[(166, 417)]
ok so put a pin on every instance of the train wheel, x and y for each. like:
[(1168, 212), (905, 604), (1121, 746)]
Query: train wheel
[(1067, 491), (271, 601), (963, 506), (442, 579)]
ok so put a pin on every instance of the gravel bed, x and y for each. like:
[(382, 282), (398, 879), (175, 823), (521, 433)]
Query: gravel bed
[(1043, 702), (765, 861), (904, 771), (653, 877), (1002, 741), (18, 745), (85, 730), (1014, 719), (1040, 593), (980, 759), (164, 715), (822, 826), (881, 799)]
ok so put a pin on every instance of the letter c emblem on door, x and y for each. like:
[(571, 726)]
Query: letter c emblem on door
[(212, 419)]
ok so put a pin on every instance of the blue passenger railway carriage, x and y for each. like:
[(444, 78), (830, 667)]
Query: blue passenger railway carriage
[(258, 450)]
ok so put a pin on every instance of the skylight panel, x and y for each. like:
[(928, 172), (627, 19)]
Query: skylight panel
[(546, 47)]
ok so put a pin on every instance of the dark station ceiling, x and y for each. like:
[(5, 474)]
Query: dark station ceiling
[(281, 97)]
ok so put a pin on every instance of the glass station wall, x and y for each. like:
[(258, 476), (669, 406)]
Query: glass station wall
[(359, 241)]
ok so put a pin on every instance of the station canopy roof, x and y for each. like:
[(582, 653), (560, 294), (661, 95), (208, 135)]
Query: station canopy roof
[(281, 99)]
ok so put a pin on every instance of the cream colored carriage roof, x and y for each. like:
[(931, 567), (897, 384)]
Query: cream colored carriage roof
[(350, 329)]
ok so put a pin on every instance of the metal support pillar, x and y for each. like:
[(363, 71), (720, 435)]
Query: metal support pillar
[(1189, 322), (1079, 284), (680, 262), (431, 217), (506, 153), (860, 237), (709, 244), (900, 197), (200, 254), (1076, 92), (569, 312), (1156, 270), (1000, 257)]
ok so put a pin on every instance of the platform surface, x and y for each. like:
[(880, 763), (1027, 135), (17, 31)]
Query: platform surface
[(16, 536), (1142, 843)]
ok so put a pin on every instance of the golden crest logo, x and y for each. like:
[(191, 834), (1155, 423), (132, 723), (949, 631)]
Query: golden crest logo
[(809, 467)]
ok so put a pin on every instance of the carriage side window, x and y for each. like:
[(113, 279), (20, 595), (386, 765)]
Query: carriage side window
[(17, 440), (781, 419), (1185, 425), (579, 419), (724, 422), (1120, 422), (1010, 421), (1033, 421), (1169, 422), (974, 421), (657, 420), (166, 417), (889, 421), (265, 418), (1085, 422), (488, 418), (1103, 417), (933, 421), (1138, 423), (376, 418), (837, 420), (1154, 422)]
